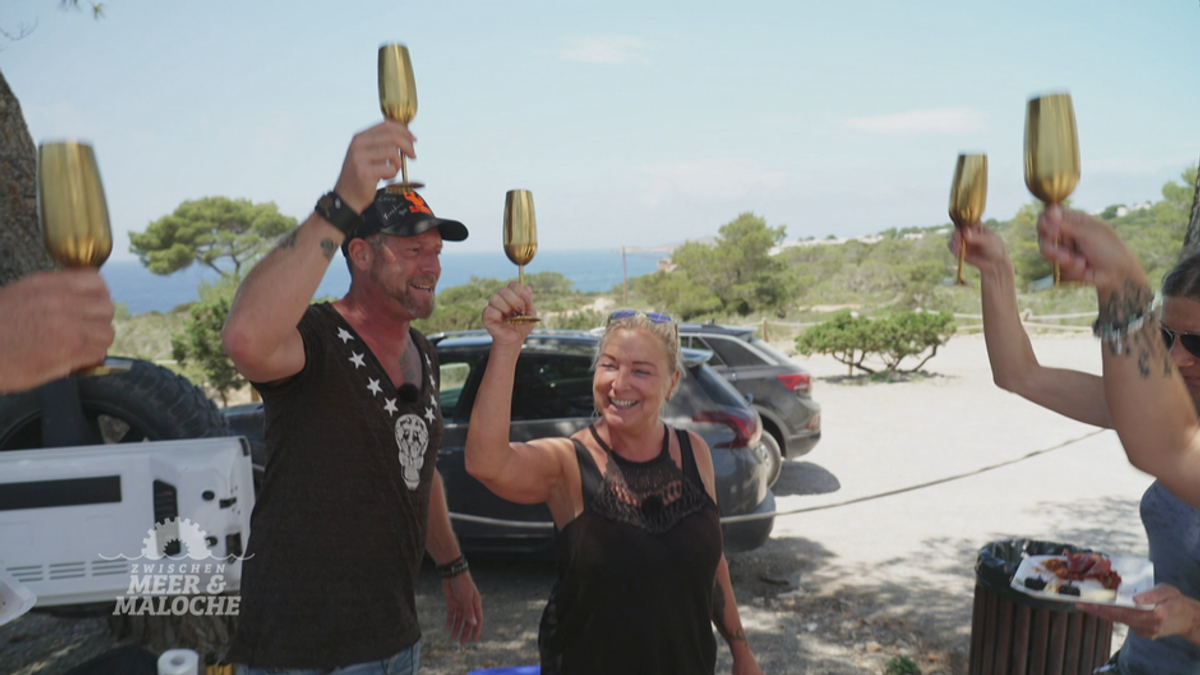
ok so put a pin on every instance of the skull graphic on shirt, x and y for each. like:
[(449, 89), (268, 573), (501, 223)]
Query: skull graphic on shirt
[(412, 437)]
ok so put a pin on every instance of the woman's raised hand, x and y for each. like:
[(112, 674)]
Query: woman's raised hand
[(1087, 249), (984, 247), (512, 299)]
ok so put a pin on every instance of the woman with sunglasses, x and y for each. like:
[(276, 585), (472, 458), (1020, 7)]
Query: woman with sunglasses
[(1163, 640), (641, 574)]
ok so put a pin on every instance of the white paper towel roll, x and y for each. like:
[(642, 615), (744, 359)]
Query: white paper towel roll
[(179, 662)]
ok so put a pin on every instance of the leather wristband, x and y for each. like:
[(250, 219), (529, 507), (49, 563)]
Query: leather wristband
[(453, 568), (333, 208)]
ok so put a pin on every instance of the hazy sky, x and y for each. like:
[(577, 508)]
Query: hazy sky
[(633, 123)]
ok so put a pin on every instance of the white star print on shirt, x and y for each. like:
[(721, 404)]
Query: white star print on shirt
[(357, 360), (429, 415), (390, 406), (374, 386), (344, 335)]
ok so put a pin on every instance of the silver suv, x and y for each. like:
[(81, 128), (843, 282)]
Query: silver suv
[(775, 386)]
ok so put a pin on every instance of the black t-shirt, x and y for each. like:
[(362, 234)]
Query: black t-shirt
[(338, 531)]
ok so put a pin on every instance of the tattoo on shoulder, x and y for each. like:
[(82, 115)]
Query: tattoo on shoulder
[(289, 239), (328, 247)]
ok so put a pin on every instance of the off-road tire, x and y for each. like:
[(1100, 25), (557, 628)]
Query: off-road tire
[(148, 403)]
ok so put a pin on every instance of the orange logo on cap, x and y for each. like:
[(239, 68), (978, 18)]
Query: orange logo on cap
[(416, 204)]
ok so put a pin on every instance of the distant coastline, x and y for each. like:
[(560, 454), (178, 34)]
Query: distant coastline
[(590, 271)]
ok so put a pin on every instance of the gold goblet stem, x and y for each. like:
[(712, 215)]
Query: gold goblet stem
[(1051, 151), (520, 238), (398, 99), (968, 198)]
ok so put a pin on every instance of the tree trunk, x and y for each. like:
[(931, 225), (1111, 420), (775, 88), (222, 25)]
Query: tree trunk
[(21, 247), (1192, 239)]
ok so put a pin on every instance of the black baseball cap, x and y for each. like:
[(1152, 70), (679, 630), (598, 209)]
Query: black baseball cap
[(403, 214)]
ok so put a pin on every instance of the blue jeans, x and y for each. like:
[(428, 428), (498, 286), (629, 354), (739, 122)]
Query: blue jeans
[(404, 663)]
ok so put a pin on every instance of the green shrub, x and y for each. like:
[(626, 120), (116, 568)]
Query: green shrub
[(851, 338), (902, 665)]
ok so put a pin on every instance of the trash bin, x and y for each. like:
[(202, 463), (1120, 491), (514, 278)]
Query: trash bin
[(1016, 634)]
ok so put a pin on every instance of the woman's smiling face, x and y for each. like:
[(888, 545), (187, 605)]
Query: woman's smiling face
[(633, 378)]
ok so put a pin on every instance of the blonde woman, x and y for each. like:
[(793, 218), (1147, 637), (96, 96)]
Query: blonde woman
[(642, 577)]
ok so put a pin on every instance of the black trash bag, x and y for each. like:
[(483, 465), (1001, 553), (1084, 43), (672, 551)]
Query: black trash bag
[(998, 562), (127, 660)]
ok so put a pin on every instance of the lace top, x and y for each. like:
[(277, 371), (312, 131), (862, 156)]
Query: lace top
[(635, 571), (653, 496)]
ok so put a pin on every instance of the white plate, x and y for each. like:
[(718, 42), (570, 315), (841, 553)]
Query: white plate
[(15, 597), (1137, 575)]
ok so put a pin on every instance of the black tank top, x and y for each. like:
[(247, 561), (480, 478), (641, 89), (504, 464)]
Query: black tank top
[(635, 571)]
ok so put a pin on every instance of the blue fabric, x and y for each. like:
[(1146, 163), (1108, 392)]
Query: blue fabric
[(404, 663), (1173, 530)]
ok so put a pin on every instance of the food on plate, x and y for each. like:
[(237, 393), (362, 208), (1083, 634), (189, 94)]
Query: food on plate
[(1068, 589), (1082, 566), (1088, 576)]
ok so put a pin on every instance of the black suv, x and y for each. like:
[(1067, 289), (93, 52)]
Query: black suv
[(553, 397), (775, 386)]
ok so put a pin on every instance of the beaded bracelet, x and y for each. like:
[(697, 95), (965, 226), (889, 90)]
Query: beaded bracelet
[(1115, 335), (453, 568)]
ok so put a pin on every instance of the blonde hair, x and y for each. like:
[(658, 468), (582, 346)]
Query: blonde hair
[(666, 334)]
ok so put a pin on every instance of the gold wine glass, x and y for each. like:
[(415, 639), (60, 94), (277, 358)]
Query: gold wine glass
[(398, 100), (1051, 151), (968, 196), (74, 214), (71, 204), (520, 238)]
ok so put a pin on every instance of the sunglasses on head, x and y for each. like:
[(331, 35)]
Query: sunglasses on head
[(1190, 341), (653, 317)]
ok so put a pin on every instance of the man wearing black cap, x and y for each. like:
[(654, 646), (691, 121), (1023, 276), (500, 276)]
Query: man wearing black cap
[(351, 499)]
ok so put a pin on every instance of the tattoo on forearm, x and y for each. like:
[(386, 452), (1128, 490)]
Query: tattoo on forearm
[(719, 604), (289, 239), (1145, 345), (328, 247)]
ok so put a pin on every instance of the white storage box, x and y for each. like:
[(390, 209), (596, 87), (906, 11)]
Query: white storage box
[(95, 523)]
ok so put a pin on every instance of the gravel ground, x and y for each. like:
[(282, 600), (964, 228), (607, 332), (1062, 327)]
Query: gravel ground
[(838, 591)]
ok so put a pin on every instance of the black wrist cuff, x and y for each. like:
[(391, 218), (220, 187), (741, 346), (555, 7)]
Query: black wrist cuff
[(453, 568), (333, 208)]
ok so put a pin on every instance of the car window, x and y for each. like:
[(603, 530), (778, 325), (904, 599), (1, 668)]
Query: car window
[(770, 350), (455, 371), (717, 388), (550, 386), (734, 353), (697, 342)]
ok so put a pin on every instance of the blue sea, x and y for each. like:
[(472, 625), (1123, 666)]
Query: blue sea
[(588, 270)]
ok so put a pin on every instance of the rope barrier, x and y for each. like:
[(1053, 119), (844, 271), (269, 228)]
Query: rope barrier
[(525, 525)]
